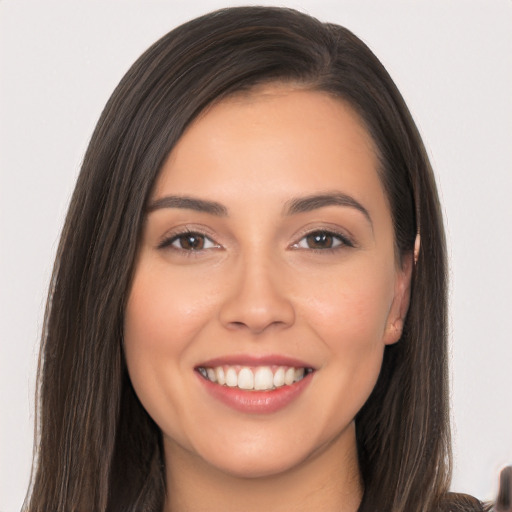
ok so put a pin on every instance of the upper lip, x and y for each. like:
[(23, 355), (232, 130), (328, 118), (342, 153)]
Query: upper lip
[(255, 360)]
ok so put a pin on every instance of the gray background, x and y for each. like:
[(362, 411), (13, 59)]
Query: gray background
[(452, 60)]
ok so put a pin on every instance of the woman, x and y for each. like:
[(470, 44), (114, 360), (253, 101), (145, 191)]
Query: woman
[(249, 297)]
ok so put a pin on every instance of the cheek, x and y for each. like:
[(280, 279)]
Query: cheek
[(164, 313), (350, 319), (349, 315), (164, 310), (351, 309)]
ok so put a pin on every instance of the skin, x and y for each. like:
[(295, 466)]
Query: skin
[(259, 287)]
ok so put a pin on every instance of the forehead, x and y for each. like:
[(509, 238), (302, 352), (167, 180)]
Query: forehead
[(274, 139)]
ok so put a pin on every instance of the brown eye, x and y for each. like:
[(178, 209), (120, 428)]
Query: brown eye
[(318, 240), (188, 241)]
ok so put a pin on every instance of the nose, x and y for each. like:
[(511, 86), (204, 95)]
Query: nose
[(257, 298)]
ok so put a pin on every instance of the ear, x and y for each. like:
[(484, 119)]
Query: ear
[(401, 299)]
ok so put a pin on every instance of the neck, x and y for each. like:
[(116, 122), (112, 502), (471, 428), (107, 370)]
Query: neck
[(328, 481)]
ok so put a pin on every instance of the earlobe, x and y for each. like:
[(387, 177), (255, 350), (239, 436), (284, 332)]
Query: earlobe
[(401, 299)]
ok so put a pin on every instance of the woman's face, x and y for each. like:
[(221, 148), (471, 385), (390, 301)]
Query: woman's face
[(267, 261)]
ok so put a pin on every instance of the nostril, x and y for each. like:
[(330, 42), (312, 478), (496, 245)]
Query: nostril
[(237, 325), (254, 327)]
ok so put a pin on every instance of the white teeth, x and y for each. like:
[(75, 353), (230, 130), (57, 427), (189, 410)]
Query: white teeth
[(231, 378), (289, 376), (279, 377), (263, 379), (219, 373), (246, 379)]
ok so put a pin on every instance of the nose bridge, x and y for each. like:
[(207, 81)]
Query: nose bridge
[(258, 297)]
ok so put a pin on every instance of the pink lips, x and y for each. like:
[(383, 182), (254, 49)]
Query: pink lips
[(256, 402), (249, 360)]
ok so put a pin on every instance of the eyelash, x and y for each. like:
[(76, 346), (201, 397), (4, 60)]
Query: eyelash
[(170, 241), (341, 241)]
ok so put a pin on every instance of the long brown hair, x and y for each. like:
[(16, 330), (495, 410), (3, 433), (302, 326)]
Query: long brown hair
[(97, 448)]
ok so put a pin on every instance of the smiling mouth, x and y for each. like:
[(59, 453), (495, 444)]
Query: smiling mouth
[(261, 378)]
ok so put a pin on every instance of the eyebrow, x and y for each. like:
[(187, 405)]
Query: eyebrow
[(291, 207), (189, 203), (313, 202)]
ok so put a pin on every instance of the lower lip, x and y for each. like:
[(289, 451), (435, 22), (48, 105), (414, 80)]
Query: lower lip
[(257, 402)]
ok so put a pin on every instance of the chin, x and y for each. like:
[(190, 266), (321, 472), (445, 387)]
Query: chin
[(254, 467), (266, 457)]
